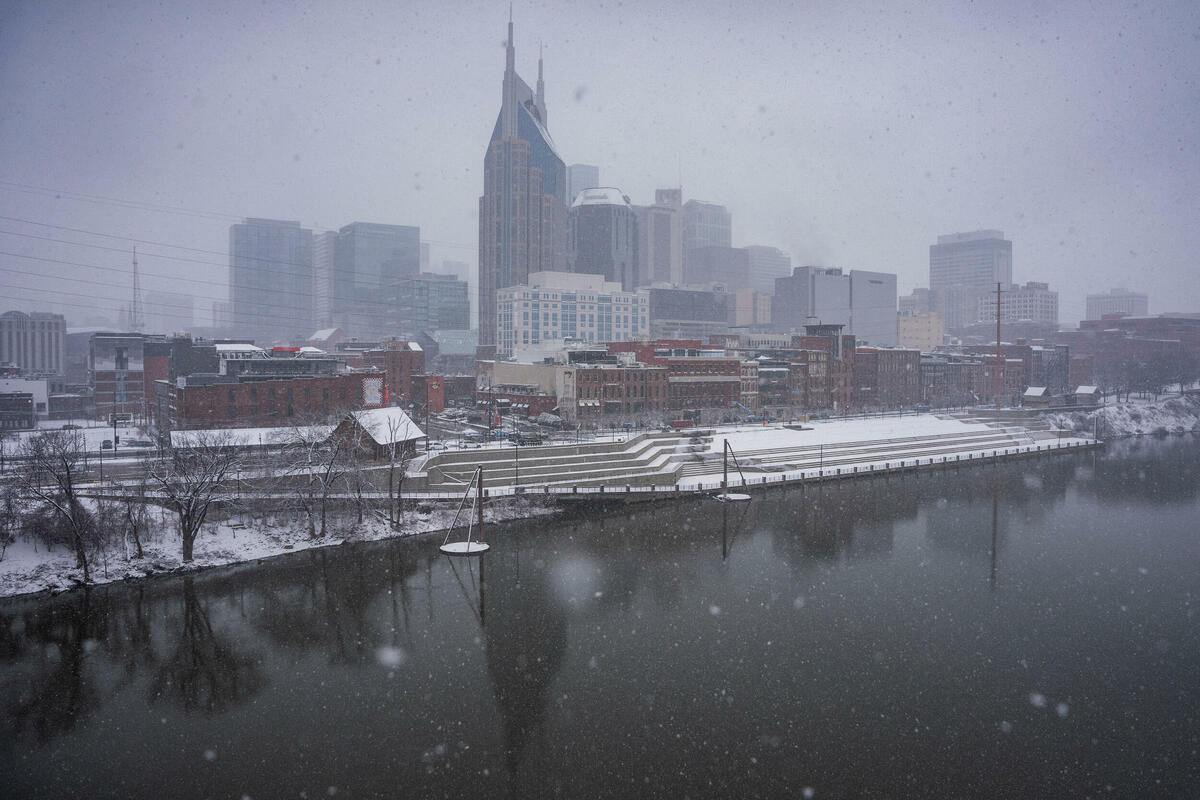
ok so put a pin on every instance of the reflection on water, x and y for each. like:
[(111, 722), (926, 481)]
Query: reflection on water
[(1022, 628)]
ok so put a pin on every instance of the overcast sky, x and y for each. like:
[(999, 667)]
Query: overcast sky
[(849, 134)]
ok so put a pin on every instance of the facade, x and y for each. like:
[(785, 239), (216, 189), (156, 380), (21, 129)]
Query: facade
[(706, 225), (717, 264), (580, 177), (602, 237), (660, 238), (921, 330), (562, 305), (863, 301), (16, 412), (686, 313), (921, 300), (619, 389), (209, 401), (699, 382), (368, 258), (324, 246), (523, 209), (426, 303), (950, 380), (271, 279), (964, 267), (765, 265), (35, 343), (1033, 302), (399, 361), (115, 373), (886, 377), (1117, 301), (751, 308)]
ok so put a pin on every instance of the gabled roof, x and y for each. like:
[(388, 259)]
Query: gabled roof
[(388, 425)]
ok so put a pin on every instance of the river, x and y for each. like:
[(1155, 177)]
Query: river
[(1016, 629)]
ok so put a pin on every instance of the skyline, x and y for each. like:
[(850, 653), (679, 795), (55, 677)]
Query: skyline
[(846, 137)]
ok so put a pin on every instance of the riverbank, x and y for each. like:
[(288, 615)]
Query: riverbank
[(29, 567), (1138, 417)]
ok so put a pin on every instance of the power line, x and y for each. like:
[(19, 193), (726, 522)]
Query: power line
[(129, 271)]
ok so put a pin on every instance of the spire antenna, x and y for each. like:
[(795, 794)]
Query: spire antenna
[(136, 319)]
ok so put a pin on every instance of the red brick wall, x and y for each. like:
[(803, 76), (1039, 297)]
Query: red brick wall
[(264, 404)]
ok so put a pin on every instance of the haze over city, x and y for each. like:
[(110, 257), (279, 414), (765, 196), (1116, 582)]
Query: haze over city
[(847, 135)]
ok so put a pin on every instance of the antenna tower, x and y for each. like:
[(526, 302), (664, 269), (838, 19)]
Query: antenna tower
[(136, 319)]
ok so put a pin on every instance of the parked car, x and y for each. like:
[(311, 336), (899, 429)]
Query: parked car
[(106, 444)]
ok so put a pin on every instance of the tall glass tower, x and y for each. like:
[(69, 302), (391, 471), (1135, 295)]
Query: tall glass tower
[(523, 210)]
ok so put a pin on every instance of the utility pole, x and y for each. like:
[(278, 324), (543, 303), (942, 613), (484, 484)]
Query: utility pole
[(999, 361), (137, 320)]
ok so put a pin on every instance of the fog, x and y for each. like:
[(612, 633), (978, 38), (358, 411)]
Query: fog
[(848, 134)]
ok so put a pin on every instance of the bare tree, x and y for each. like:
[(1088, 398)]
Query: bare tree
[(194, 477), (52, 473), (399, 430), (316, 461)]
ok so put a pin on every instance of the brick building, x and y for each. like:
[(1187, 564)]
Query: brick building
[(886, 378), (209, 401), (620, 389), (399, 361)]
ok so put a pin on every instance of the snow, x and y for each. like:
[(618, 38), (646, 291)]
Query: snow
[(388, 425), (30, 567), (249, 437), (1137, 417)]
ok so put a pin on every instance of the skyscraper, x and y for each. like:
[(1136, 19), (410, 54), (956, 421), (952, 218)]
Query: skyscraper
[(863, 301), (603, 237), (368, 257), (580, 177), (962, 268), (1117, 301), (767, 264), (706, 225), (523, 210), (271, 279), (660, 238)]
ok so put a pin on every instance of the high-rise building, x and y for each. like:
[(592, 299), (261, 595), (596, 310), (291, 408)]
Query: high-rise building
[(523, 209), (367, 258), (427, 303), (767, 264), (688, 313), (962, 268), (728, 266), (562, 305), (580, 177), (660, 238), (324, 245), (862, 301), (751, 308), (271, 279), (1117, 301), (602, 237), (921, 330), (1033, 302), (706, 225), (34, 343)]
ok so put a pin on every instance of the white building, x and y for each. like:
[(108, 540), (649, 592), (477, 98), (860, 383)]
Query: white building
[(1117, 301), (563, 305), (1033, 302), (35, 343)]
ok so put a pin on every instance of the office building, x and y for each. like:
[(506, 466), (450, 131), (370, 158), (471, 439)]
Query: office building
[(921, 330), (964, 267), (726, 266), (1117, 301), (751, 308), (602, 237), (580, 177), (523, 209), (660, 238), (324, 245), (1033, 302), (561, 305), (368, 258), (863, 301), (271, 279), (706, 225), (427, 303), (688, 313), (36, 343), (767, 264)]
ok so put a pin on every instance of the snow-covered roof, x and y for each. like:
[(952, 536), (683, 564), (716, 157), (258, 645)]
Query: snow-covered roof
[(324, 333), (1036, 391), (1086, 389), (602, 196), (247, 437), (388, 425), (238, 348), (308, 350)]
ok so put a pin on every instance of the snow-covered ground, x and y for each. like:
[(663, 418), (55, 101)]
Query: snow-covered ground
[(1137, 417), (30, 567)]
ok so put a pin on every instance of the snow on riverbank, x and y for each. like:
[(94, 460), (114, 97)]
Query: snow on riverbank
[(1135, 418), (30, 567)]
